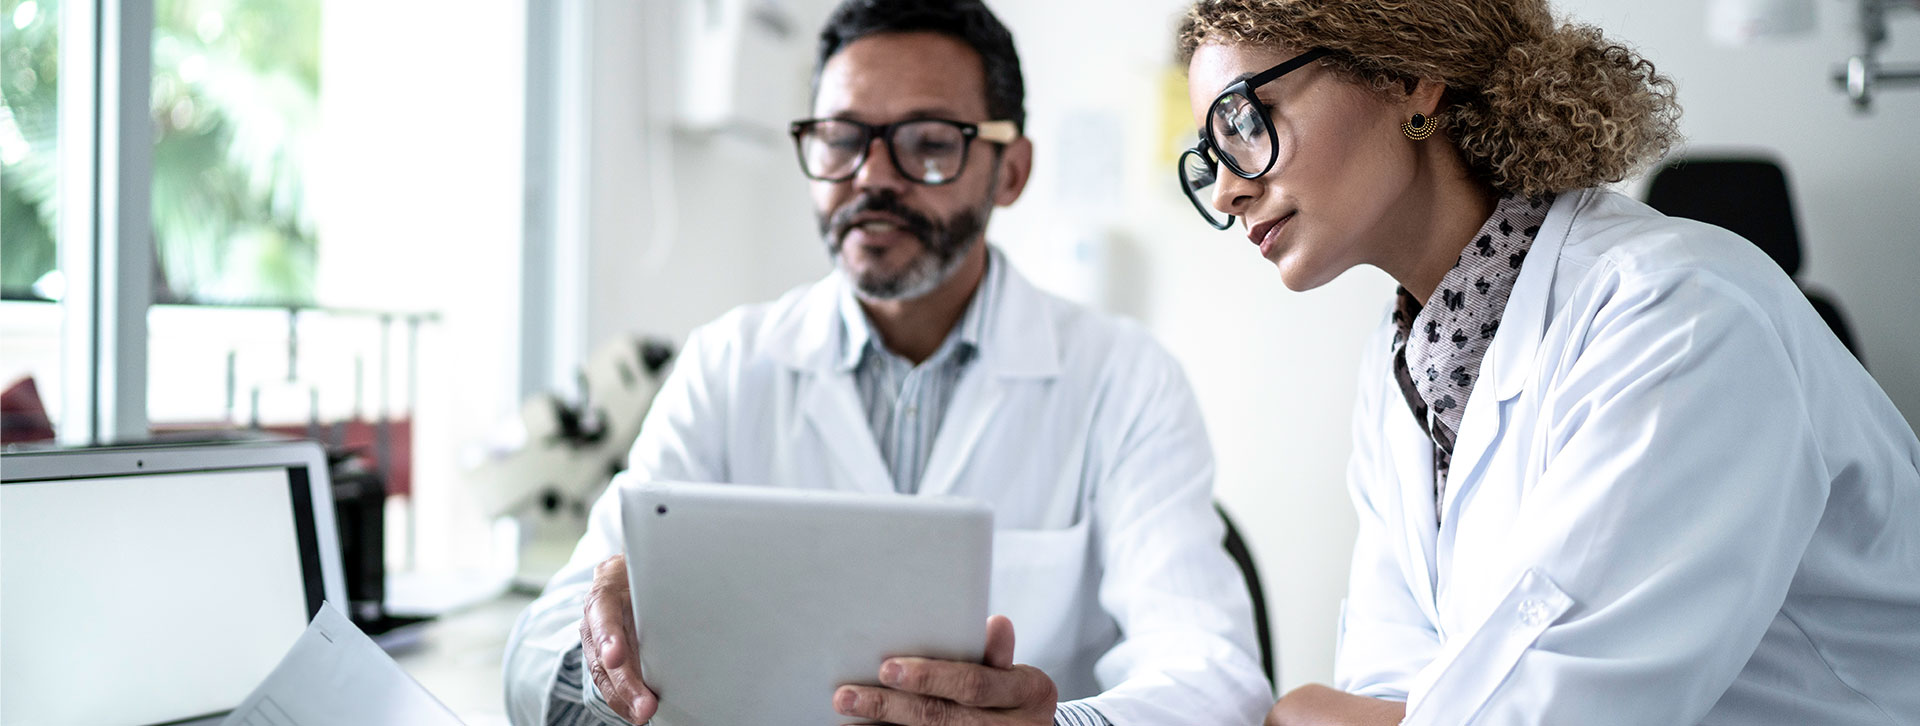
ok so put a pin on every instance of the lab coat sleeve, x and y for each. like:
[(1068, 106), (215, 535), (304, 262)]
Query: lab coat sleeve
[(1187, 654), (1680, 484), (681, 439), (1384, 636)]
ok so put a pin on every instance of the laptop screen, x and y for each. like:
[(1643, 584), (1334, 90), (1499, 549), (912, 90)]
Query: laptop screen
[(151, 596)]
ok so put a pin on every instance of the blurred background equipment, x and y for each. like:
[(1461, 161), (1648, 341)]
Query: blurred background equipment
[(1739, 22), (23, 417), (567, 452)]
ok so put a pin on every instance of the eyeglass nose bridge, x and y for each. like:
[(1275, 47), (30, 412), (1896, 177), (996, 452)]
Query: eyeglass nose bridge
[(879, 140)]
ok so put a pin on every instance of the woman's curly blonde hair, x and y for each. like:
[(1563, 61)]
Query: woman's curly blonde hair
[(1533, 106)]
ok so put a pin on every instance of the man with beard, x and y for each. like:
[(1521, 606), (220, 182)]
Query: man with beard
[(925, 364)]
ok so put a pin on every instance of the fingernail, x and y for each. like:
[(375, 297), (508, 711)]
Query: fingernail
[(845, 700), (890, 673)]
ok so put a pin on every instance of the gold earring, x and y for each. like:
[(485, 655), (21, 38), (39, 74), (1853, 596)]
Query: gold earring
[(1420, 127)]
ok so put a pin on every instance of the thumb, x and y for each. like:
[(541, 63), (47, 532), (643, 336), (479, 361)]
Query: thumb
[(999, 642)]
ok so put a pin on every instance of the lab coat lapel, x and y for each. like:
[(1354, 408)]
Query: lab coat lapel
[(811, 342), (831, 406), (1413, 469), (975, 402), (1508, 365), (1017, 346)]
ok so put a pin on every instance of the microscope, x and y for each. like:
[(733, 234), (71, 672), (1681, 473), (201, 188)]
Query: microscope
[(569, 453)]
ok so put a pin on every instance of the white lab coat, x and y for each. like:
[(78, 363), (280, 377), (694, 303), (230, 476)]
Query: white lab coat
[(1079, 431), (1675, 499)]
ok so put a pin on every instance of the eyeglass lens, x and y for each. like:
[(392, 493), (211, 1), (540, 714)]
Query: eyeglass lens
[(1198, 178), (930, 151), (1239, 130)]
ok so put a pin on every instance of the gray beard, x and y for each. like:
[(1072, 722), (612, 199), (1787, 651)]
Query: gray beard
[(944, 246), (927, 272)]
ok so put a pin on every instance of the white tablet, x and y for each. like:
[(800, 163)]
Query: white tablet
[(755, 603)]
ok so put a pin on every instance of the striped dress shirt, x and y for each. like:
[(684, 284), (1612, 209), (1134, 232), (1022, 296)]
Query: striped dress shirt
[(906, 403)]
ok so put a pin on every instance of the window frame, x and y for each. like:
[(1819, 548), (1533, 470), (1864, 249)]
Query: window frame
[(105, 223)]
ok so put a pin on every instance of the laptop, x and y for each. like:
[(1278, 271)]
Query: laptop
[(755, 603), (157, 585)]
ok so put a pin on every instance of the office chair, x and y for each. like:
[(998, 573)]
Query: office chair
[(1237, 548), (1748, 196)]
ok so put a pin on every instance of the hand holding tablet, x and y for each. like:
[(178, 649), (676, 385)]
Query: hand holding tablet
[(609, 647), (924, 691), (755, 605)]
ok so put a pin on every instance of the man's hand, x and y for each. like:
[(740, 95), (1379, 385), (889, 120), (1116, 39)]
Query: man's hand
[(612, 651), (1317, 705), (926, 692)]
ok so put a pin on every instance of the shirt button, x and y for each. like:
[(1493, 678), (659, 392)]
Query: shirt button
[(1533, 612), (913, 410)]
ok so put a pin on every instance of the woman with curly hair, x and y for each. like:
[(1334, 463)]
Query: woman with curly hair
[(1610, 467)]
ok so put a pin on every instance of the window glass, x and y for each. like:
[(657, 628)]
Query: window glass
[(29, 180), (236, 88), (336, 195)]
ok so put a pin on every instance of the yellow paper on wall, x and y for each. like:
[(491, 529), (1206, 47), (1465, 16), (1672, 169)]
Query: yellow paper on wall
[(1176, 131)]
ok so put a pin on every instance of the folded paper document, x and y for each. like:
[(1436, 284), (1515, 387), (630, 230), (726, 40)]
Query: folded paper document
[(336, 676)]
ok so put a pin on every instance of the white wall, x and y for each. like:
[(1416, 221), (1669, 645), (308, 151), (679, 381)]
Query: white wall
[(741, 226), (1103, 222), (418, 193)]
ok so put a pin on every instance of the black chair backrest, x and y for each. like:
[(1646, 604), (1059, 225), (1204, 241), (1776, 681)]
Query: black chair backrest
[(1237, 548), (1748, 196)]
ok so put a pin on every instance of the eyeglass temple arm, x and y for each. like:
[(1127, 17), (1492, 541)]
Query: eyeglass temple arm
[(999, 132), (1287, 67)]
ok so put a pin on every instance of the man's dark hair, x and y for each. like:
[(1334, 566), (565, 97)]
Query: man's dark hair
[(968, 21)]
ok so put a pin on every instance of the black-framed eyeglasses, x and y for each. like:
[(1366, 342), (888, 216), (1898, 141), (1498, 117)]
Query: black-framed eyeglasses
[(1238, 134), (926, 150)]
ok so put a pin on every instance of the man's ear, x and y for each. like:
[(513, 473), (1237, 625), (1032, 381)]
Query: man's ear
[(1016, 163)]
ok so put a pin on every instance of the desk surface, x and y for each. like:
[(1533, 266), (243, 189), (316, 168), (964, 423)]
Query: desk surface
[(457, 657)]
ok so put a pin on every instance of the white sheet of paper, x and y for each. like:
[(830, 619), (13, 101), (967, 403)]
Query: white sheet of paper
[(336, 676)]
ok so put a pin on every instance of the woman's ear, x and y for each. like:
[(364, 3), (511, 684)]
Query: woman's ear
[(1424, 98)]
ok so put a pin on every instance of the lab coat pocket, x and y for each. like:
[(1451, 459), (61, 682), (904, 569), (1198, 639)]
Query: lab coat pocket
[(1453, 689), (1042, 583)]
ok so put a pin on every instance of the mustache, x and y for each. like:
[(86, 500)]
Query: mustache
[(912, 222)]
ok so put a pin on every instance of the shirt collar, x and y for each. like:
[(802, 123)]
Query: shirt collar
[(859, 338), (1474, 266), (1446, 340)]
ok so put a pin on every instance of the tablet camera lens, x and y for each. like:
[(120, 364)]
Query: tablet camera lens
[(662, 509)]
